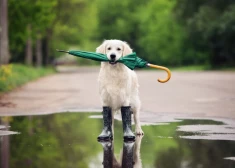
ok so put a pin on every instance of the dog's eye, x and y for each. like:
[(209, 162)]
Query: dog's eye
[(118, 49), (109, 48)]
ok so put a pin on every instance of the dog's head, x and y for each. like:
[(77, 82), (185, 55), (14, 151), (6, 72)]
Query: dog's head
[(114, 49)]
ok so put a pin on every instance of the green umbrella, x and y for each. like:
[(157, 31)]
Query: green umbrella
[(132, 61)]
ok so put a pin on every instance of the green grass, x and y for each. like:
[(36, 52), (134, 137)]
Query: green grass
[(14, 75), (223, 68)]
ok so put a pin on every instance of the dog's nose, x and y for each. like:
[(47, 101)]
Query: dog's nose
[(113, 56)]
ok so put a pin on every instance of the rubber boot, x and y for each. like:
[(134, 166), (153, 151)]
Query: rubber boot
[(126, 122), (106, 133)]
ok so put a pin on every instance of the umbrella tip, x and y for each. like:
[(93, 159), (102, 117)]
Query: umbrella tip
[(61, 51)]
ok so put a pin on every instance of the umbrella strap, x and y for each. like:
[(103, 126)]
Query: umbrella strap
[(162, 68)]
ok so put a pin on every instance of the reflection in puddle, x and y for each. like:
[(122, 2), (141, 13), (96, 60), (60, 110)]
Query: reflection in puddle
[(70, 140), (129, 155)]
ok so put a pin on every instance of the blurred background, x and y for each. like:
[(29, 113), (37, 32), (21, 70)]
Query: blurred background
[(177, 33)]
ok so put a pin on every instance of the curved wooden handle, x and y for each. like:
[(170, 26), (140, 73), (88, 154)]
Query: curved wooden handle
[(162, 68)]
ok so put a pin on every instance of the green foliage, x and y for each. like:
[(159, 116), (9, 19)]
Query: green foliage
[(39, 14), (202, 34), (14, 75), (210, 30), (168, 32), (161, 36), (75, 25), (119, 20), (149, 27)]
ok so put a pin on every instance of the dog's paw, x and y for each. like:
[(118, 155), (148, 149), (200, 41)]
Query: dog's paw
[(139, 131)]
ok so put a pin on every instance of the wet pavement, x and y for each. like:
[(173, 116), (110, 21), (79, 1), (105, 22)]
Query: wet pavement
[(203, 94), (69, 140)]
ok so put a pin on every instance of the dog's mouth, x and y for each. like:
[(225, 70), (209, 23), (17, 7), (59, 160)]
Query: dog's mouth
[(113, 62)]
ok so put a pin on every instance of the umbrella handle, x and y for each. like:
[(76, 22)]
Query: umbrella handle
[(162, 68)]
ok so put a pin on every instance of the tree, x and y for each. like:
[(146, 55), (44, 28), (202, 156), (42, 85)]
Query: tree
[(209, 29), (34, 20), (38, 50), (148, 26), (43, 20), (161, 37), (4, 48), (122, 25), (29, 47), (44, 25), (75, 24)]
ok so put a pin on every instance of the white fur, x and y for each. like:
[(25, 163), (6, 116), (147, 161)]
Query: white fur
[(118, 85)]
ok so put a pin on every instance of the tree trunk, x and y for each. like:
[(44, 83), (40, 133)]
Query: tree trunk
[(38, 51), (4, 48), (47, 47), (29, 47)]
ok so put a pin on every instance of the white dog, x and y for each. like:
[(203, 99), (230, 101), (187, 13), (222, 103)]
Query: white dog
[(118, 85)]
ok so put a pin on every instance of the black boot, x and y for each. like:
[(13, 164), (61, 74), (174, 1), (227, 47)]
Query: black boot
[(126, 122), (106, 134)]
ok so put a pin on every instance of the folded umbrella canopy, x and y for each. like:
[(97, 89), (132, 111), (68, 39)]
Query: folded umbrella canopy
[(132, 61)]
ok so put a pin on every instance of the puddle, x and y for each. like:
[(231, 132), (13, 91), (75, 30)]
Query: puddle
[(69, 140)]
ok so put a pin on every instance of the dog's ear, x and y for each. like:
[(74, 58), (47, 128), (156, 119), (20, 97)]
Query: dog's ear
[(126, 49), (101, 48)]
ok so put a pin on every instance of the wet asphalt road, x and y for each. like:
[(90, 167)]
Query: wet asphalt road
[(194, 94)]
